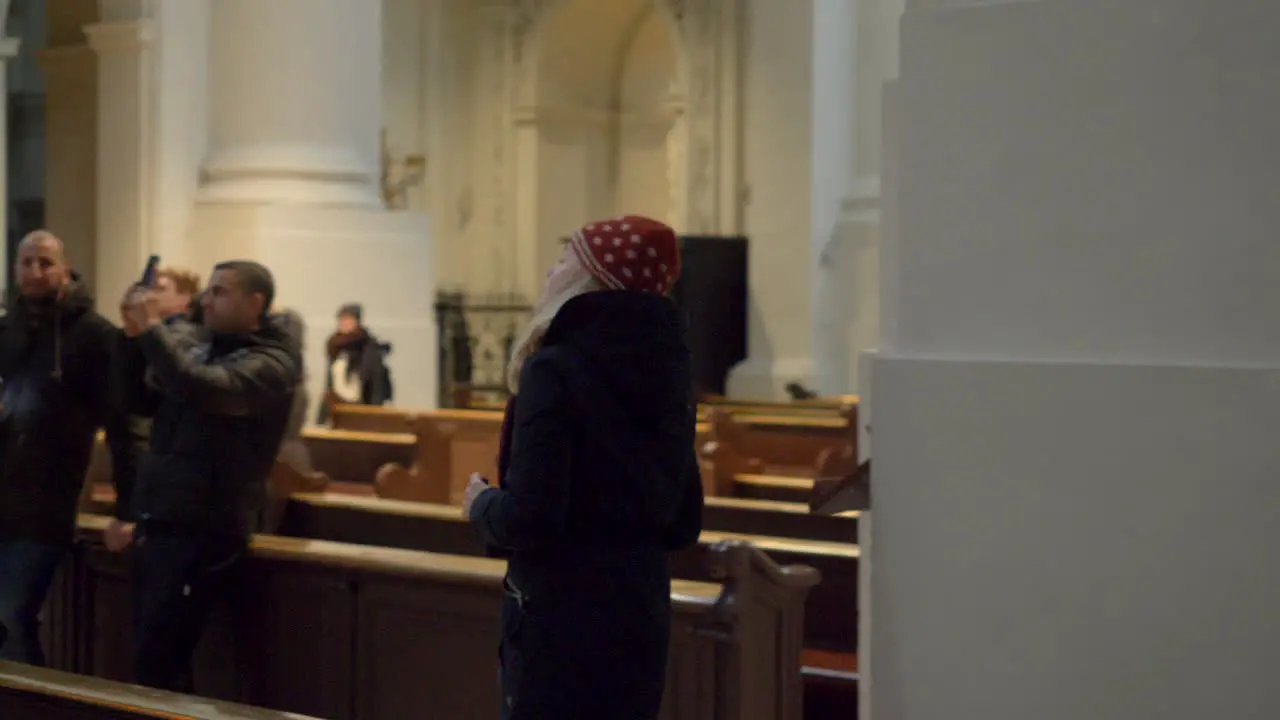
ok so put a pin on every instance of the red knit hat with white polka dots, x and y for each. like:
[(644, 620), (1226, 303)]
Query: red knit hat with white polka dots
[(630, 253)]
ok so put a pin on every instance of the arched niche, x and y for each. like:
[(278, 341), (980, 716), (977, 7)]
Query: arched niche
[(599, 115)]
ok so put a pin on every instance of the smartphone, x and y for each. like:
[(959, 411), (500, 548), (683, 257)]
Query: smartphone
[(149, 275)]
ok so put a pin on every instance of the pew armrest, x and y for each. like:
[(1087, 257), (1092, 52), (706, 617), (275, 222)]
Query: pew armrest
[(760, 614), (397, 482), (833, 495)]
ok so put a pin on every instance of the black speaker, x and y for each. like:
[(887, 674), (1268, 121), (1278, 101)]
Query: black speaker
[(712, 292)]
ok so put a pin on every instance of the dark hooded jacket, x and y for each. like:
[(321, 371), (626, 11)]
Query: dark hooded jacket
[(56, 390), (599, 485), (219, 407)]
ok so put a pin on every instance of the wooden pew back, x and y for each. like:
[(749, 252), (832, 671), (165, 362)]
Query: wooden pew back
[(32, 692), (355, 456), (784, 444), (452, 444), (788, 444), (367, 418), (830, 611), (347, 631), (727, 514)]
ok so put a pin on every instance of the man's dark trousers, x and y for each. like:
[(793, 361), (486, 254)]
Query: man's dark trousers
[(26, 571), (180, 576)]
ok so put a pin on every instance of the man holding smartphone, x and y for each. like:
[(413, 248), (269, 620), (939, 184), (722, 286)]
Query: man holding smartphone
[(219, 405)]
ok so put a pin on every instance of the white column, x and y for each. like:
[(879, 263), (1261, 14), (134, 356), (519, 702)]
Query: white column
[(8, 51), (835, 57), (297, 102), (292, 178), (124, 172), (1078, 390), (856, 49), (71, 152)]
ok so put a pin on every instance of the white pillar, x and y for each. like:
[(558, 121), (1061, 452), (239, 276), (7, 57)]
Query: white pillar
[(297, 103), (8, 50), (124, 171), (1078, 390), (835, 58), (292, 178), (71, 153), (181, 122)]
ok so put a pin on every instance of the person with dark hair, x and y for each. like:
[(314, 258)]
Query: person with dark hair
[(357, 372), (598, 481), (195, 315), (56, 390), (219, 407)]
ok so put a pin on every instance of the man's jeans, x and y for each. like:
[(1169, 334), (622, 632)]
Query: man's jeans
[(26, 571)]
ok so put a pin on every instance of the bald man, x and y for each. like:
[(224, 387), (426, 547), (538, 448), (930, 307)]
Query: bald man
[(56, 390)]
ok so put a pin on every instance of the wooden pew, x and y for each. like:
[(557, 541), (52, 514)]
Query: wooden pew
[(354, 456), (726, 472), (38, 693), (451, 444), (393, 419), (817, 407), (349, 631), (726, 514), (830, 660), (368, 418), (779, 519), (786, 444), (830, 612)]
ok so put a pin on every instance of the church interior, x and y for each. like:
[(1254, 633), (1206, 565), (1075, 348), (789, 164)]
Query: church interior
[(1034, 238)]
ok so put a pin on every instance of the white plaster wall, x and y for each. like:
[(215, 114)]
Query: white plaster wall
[(1151, 181), (1076, 399), (777, 156), (647, 75), (1064, 541), (564, 180), (405, 102)]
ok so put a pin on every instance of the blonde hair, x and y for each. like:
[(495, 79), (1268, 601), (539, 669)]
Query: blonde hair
[(530, 339), (184, 281)]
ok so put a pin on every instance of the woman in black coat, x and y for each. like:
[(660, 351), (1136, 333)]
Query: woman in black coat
[(599, 481)]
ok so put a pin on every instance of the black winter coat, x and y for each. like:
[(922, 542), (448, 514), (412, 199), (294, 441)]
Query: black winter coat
[(367, 357), (600, 485), (219, 410), (56, 390)]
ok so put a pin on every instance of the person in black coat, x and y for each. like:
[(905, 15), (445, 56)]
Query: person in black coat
[(220, 407), (599, 482), (357, 364), (56, 390)]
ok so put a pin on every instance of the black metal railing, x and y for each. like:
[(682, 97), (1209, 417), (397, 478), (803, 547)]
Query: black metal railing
[(475, 339)]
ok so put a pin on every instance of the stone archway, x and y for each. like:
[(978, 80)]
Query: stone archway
[(699, 107), (598, 96)]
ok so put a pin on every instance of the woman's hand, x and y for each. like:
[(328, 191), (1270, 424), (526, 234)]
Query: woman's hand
[(475, 486)]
